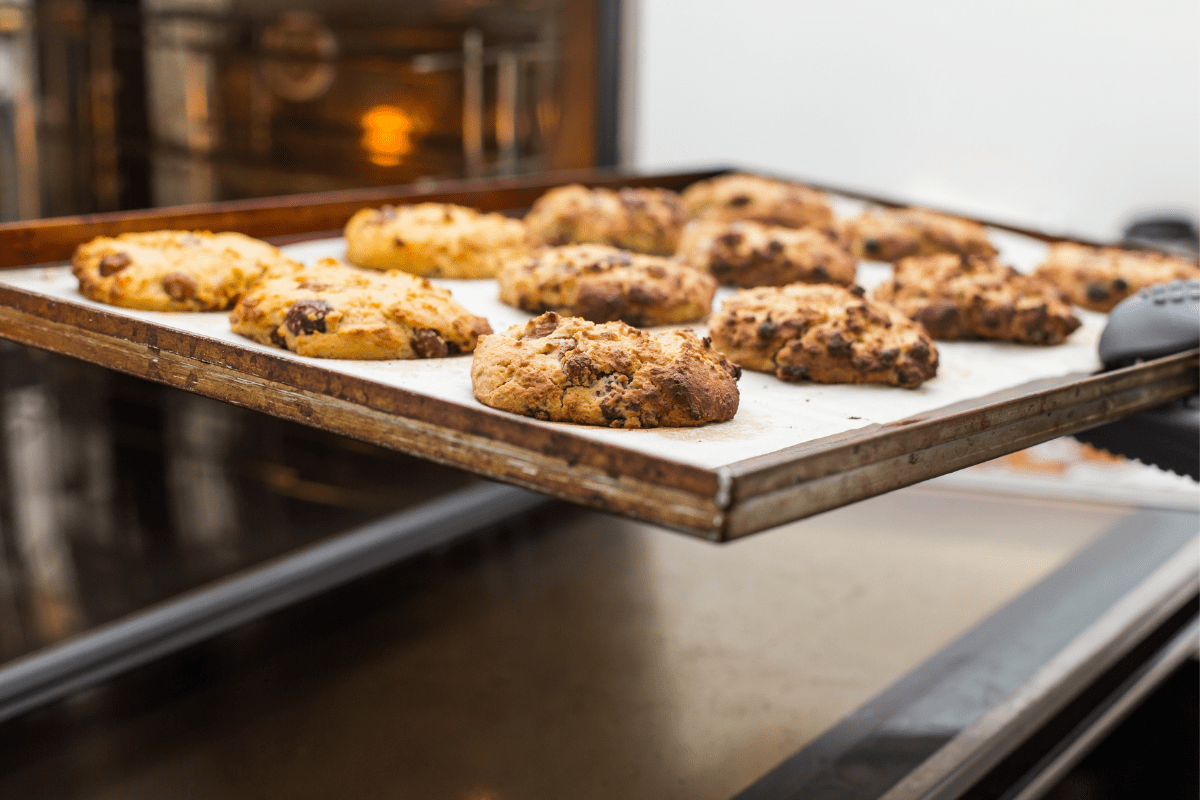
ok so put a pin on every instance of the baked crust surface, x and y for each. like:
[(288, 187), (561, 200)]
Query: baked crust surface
[(964, 297), (726, 198), (331, 310), (567, 369), (172, 270), (1100, 277), (602, 284), (823, 333), (435, 240), (642, 220), (748, 254), (896, 233)]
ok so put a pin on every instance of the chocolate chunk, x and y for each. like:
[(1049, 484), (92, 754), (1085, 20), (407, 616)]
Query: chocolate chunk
[(397, 241), (871, 246), (839, 345), (307, 316), (820, 273), (543, 326), (180, 287), (731, 239), (775, 247), (277, 340), (1097, 292), (580, 370), (767, 329), (1120, 284), (938, 315), (114, 263), (792, 372), (644, 294), (600, 303), (739, 200), (428, 343), (919, 351)]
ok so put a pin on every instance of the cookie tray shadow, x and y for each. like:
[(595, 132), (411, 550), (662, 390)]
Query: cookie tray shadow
[(718, 503)]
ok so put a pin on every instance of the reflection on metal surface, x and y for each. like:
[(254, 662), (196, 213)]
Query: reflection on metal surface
[(585, 656), (166, 102), (387, 135), (299, 49), (116, 493), (31, 443), (472, 103)]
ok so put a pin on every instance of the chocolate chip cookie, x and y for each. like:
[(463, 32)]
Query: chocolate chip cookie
[(436, 240), (172, 270), (896, 233), (330, 310), (972, 297), (602, 284), (823, 333), (773, 202), (642, 220), (567, 369), (1100, 277), (751, 254)]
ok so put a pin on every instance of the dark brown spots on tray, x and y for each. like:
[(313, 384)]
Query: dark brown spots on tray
[(179, 286), (114, 263), (428, 343), (307, 316)]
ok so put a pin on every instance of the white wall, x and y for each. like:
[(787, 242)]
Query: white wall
[(1072, 115)]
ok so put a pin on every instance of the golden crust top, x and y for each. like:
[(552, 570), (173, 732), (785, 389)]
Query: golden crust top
[(567, 369), (642, 220), (1100, 277), (965, 297), (823, 333), (172, 270), (748, 254), (330, 310), (739, 196), (436, 240), (602, 283), (896, 233)]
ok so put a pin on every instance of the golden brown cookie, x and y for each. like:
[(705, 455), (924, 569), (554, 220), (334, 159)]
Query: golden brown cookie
[(772, 202), (823, 333), (436, 240), (602, 284), (966, 297), (330, 310), (172, 270), (642, 220), (567, 369), (751, 254), (1100, 277), (896, 233)]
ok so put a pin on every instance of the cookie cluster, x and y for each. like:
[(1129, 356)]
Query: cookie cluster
[(599, 265)]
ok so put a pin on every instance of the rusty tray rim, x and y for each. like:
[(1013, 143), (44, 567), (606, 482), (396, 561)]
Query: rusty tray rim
[(719, 503)]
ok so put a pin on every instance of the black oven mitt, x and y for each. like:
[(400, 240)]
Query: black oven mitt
[(1155, 322)]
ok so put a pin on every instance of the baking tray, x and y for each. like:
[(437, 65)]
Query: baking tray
[(793, 450)]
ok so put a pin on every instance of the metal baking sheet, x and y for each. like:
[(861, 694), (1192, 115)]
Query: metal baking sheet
[(792, 449)]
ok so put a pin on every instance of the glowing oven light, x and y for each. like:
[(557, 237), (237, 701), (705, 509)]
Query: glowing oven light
[(387, 135)]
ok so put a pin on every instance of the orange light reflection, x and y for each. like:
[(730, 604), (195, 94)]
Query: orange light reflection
[(387, 135)]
